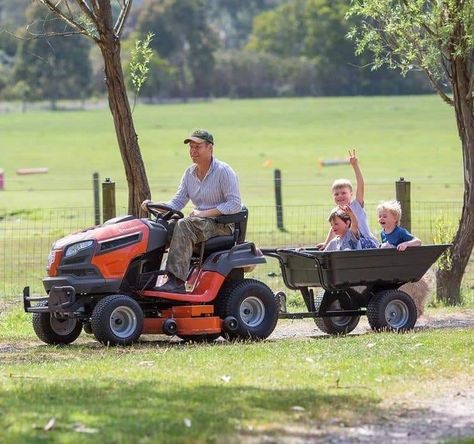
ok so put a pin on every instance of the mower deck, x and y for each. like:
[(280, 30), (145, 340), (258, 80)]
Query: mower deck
[(185, 320)]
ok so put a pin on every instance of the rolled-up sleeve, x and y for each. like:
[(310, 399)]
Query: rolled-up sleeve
[(230, 188)]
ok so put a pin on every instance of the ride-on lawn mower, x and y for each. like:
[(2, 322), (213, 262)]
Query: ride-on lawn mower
[(103, 280)]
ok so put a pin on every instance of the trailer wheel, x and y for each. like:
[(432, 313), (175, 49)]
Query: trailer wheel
[(117, 320), (252, 304), (55, 331), (392, 310), (335, 325)]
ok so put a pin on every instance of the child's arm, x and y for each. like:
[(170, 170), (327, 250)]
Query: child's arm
[(354, 221), (329, 238), (359, 178), (415, 242)]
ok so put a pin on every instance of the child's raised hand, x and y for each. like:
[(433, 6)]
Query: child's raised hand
[(346, 208), (353, 157)]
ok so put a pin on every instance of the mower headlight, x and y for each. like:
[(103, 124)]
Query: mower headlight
[(76, 248)]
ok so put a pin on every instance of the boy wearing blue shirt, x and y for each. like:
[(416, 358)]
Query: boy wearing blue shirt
[(389, 214)]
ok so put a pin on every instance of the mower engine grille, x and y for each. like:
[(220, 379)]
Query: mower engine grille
[(114, 244)]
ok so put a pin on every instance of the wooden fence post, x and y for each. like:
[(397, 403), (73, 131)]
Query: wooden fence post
[(108, 199), (95, 182), (402, 188), (278, 200)]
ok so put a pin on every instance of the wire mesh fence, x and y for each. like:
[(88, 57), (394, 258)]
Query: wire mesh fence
[(26, 237)]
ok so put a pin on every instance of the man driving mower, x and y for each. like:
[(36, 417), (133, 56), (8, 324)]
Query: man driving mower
[(213, 188)]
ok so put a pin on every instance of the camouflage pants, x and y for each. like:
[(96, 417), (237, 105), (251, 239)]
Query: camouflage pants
[(187, 233)]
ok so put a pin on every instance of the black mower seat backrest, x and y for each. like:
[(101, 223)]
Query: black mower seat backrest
[(218, 243)]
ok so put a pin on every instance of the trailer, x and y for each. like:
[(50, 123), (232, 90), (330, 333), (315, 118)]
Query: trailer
[(354, 283)]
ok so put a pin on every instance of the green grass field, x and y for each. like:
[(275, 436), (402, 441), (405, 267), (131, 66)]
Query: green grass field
[(413, 137), (160, 391)]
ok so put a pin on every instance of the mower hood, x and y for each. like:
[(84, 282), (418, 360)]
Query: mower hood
[(101, 233)]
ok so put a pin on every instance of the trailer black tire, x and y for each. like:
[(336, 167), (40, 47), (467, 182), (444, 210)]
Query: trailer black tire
[(337, 325), (55, 331), (254, 306), (391, 310), (117, 320)]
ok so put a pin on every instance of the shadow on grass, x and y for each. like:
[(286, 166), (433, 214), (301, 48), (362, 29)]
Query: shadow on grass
[(153, 412)]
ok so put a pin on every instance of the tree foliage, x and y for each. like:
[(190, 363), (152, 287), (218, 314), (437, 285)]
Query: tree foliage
[(233, 19), (140, 60), (316, 30), (184, 39), (198, 40), (53, 67), (415, 35)]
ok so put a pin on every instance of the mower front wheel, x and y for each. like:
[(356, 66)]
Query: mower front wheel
[(55, 331), (117, 320), (254, 307)]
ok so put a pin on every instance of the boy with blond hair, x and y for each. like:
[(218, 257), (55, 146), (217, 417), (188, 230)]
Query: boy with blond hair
[(342, 194), (392, 235)]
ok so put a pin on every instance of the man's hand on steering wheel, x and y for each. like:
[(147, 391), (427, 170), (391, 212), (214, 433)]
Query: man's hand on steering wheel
[(160, 210)]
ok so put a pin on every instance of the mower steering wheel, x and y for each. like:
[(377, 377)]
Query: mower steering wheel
[(163, 211)]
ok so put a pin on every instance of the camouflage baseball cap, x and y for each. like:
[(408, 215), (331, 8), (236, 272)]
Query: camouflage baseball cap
[(199, 136)]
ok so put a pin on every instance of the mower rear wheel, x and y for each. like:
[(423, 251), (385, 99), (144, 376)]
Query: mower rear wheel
[(117, 320), (53, 330), (335, 325), (252, 304)]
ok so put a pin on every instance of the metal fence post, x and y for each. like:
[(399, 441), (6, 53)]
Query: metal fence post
[(402, 188), (278, 200), (108, 199), (95, 182)]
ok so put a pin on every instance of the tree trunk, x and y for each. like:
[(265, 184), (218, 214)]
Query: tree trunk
[(138, 188), (449, 279)]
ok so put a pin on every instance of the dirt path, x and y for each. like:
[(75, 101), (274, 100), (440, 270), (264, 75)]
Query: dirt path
[(448, 415), (305, 328)]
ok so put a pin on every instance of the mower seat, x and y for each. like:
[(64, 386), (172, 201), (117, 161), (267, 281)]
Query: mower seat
[(219, 243)]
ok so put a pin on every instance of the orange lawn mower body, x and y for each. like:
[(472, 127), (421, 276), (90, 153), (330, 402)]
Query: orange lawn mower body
[(103, 280)]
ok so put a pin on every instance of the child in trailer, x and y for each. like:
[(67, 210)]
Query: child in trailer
[(342, 194), (392, 235), (345, 228)]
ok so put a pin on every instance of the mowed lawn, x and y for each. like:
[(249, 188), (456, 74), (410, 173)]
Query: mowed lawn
[(412, 137), (161, 391)]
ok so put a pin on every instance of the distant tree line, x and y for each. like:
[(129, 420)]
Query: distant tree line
[(201, 48)]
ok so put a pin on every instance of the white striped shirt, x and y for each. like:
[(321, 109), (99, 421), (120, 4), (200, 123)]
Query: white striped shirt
[(219, 189)]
